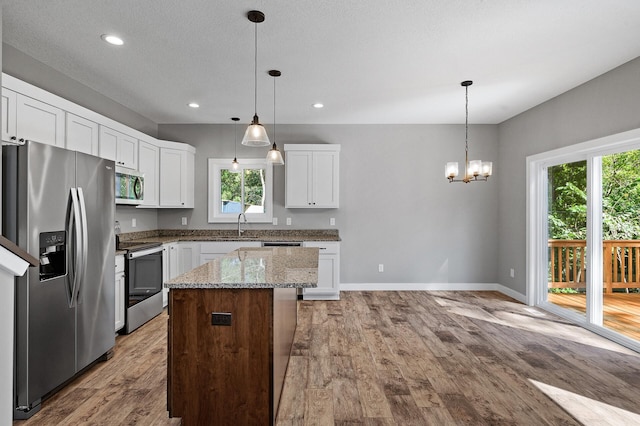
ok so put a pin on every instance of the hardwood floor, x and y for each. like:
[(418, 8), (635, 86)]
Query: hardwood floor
[(129, 389), (395, 358), (449, 358)]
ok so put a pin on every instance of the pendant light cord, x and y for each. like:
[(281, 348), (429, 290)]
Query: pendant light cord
[(235, 139), (466, 120), (255, 71), (274, 111)]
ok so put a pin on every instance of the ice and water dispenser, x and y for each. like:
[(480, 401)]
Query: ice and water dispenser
[(53, 255)]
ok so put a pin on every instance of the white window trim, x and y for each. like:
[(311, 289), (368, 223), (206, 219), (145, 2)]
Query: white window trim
[(214, 212), (537, 229)]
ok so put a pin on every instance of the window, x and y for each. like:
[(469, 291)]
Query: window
[(249, 191)]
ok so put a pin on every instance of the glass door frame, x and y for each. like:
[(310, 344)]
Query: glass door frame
[(537, 227)]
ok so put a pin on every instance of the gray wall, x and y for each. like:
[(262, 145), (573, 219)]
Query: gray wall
[(604, 106), (396, 207), (26, 68)]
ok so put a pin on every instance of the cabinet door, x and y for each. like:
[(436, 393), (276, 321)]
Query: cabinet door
[(165, 273), (119, 293), (298, 179), (328, 272), (39, 122), (173, 169), (82, 135), (127, 152), (149, 164), (173, 261), (108, 143), (325, 179), (9, 99), (188, 256)]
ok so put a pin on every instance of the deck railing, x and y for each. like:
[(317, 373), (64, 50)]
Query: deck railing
[(621, 264)]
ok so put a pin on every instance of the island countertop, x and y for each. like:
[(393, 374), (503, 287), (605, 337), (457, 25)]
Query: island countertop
[(255, 267)]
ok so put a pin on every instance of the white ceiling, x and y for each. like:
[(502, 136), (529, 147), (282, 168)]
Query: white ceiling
[(368, 61)]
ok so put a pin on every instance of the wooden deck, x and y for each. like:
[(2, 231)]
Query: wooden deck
[(621, 310)]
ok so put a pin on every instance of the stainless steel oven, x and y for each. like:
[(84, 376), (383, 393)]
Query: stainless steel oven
[(143, 289)]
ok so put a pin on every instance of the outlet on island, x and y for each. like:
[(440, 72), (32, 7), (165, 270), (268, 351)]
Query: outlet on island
[(221, 318)]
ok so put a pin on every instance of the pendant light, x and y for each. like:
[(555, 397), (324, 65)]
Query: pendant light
[(235, 166), (256, 134), (274, 156), (472, 169)]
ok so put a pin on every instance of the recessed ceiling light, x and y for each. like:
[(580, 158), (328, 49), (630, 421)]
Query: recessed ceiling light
[(318, 105), (194, 105), (111, 39)]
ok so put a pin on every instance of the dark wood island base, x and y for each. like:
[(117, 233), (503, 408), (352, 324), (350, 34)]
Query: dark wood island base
[(229, 347)]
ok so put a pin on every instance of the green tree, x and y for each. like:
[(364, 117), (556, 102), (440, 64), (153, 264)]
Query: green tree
[(620, 198)]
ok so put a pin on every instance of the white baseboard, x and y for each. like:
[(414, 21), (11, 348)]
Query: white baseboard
[(434, 287)]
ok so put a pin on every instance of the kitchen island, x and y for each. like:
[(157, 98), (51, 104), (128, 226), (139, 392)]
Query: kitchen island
[(231, 326)]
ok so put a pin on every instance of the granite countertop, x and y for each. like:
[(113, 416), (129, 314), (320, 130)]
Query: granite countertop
[(255, 267), (283, 235)]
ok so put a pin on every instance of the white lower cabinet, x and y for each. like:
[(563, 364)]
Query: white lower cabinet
[(120, 284), (188, 256), (215, 249), (328, 272), (169, 267)]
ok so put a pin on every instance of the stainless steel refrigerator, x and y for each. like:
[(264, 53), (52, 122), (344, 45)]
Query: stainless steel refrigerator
[(59, 206)]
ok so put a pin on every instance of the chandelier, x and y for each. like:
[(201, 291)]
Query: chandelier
[(474, 170)]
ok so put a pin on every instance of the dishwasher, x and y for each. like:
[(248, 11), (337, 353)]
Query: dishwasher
[(281, 244)]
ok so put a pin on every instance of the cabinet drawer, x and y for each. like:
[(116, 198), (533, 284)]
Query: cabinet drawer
[(326, 247)]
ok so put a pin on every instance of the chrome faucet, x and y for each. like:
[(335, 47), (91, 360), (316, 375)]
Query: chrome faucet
[(240, 231)]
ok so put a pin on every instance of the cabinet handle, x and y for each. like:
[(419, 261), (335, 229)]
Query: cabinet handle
[(13, 138), (322, 248)]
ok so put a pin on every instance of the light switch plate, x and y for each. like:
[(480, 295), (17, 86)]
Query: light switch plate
[(133, 222), (288, 221), (275, 221), (184, 220)]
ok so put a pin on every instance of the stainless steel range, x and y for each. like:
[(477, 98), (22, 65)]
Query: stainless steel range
[(143, 288)]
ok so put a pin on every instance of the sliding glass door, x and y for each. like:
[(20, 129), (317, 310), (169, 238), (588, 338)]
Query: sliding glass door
[(567, 235), (583, 227)]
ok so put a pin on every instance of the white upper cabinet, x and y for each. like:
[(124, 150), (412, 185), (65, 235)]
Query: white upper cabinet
[(121, 148), (177, 177), (9, 99), (37, 121), (82, 135), (149, 165), (312, 176)]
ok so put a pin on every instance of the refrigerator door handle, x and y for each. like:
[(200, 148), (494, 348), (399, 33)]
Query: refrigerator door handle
[(85, 242), (73, 226)]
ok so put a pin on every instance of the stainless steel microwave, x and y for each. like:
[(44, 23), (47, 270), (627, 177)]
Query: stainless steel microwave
[(129, 186)]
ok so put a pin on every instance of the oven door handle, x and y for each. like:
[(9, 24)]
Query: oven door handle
[(145, 252)]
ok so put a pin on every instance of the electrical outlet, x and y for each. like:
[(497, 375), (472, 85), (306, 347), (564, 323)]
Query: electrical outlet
[(512, 273), (288, 221), (221, 318), (184, 220), (381, 267), (332, 221), (275, 221), (133, 223)]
